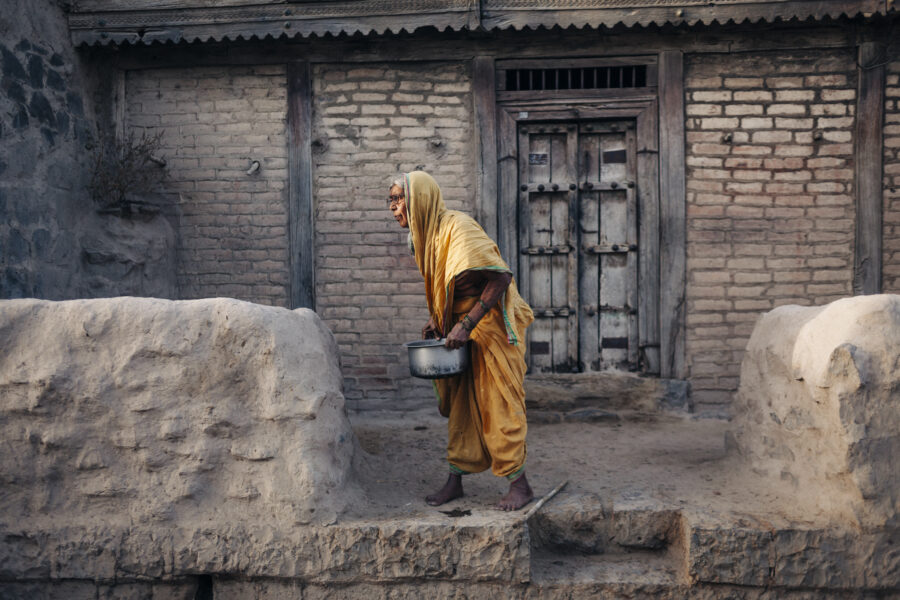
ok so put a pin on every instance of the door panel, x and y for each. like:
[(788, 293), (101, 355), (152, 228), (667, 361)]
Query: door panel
[(547, 242), (577, 240)]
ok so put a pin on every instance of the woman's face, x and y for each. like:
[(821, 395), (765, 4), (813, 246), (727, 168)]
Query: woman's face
[(397, 204)]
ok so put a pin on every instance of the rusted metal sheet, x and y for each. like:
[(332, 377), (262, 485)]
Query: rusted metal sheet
[(100, 22), (104, 22), (521, 14)]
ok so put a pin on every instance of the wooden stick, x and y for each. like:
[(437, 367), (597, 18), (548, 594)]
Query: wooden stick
[(544, 500)]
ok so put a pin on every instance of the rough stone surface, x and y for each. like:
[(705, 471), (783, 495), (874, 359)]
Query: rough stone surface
[(582, 524), (818, 405), (45, 122), (793, 557), (142, 434), (129, 256)]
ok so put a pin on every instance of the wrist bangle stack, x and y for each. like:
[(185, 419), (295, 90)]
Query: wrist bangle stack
[(467, 323)]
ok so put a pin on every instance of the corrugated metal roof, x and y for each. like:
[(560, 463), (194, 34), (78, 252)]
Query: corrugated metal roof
[(103, 22)]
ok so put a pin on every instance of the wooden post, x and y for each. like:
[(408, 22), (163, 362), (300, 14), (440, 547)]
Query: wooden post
[(508, 184), (486, 143), (868, 157), (301, 230), (648, 209), (672, 216)]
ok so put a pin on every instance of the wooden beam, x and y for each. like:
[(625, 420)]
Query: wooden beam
[(868, 158), (672, 216), (301, 229), (483, 91)]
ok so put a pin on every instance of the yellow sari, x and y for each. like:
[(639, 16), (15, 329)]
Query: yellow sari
[(485, 405)]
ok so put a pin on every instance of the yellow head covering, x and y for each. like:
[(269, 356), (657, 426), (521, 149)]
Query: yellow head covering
[(448, 242)]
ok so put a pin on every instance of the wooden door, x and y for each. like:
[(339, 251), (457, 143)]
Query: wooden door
[(548, 240), (578, 240), (608, 250)]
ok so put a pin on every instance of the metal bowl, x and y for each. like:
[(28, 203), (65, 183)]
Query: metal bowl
[(430, 359)]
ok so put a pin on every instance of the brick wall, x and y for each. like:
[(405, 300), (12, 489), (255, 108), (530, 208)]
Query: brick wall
[(770, 199), (891, 271), (369, 123), (232, 227)]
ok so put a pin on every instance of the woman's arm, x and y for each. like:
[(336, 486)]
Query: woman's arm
[(492, 285)]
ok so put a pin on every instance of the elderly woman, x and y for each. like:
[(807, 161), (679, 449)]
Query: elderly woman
[(471, 297)]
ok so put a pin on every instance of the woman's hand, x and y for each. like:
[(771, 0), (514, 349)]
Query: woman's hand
[(430, 331), (457, 338)]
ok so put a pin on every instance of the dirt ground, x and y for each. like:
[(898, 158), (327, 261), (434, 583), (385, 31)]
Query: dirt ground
[(669, 461)]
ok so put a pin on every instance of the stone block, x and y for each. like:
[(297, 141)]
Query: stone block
[(157, 415), (733, 555), (816, 404)]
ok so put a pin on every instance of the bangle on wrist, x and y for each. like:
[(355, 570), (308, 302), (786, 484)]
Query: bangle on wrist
[(467, 323)]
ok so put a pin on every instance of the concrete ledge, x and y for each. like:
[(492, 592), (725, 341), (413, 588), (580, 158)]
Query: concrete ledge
[(795, 558), (471, 549)]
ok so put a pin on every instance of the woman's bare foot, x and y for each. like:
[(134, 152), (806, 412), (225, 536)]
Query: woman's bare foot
[(452, 489), (519, 495)]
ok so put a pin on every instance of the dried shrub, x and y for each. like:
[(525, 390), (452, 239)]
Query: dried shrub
[(125, 169)]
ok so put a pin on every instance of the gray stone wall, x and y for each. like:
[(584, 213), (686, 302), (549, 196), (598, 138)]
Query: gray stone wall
[(53, 243), (44, 128)]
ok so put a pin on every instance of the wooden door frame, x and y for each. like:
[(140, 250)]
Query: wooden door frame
[(643, 109)]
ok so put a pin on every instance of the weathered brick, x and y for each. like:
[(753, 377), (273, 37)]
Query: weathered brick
[(831, 80), (794, 95), (740, 109), (703, 82), (719, 123), (784, 82), (703, 110), (707, 96), (756, 123), (786, 109), (743, 82), (771, 137), (790, 123), (753, 96)]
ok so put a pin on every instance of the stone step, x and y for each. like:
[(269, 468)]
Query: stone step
[(601, 397), (584, 524), (482, 547), (763, 554), (639, 568)]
